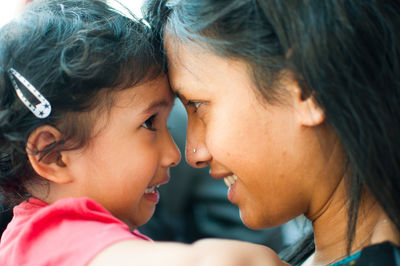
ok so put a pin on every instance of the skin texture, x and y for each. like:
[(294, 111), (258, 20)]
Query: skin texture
[(208, 252), (276, 156), (128, 152), (287, 159), (131, 150), (127, 155)]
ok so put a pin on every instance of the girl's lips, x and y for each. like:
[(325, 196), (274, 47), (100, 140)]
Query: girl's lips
[(153, 195)]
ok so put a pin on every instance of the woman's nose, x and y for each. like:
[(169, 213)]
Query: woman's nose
[(197, 154)]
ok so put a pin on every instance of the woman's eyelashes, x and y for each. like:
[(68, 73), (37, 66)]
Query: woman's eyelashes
[(194, 104), (149, 123)]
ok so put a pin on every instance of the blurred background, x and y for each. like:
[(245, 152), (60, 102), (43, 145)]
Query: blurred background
[(193, 205)]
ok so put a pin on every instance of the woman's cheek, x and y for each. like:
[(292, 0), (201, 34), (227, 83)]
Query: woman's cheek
[(218, 139)]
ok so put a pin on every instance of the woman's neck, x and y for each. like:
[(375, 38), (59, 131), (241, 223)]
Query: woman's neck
[(330, 228)]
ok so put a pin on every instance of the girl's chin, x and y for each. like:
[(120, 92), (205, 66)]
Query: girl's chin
[(134, 224)]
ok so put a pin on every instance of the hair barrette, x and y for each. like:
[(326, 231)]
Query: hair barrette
[(40, 110)]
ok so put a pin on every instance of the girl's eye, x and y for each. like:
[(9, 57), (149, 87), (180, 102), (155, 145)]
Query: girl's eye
[(149, 123), (196, 105)]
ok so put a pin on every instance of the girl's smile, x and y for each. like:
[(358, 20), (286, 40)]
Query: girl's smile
[(151, 192), (130, 153)]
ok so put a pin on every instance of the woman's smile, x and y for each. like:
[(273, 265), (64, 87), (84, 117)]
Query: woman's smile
[(231, 182)]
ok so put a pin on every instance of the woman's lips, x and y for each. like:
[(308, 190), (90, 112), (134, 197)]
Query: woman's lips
[(230, 181)]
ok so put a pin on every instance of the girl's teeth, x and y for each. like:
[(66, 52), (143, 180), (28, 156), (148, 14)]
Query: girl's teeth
[(150, 190), (230, 180)]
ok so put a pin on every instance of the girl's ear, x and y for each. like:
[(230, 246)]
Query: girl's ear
[(52, 164), (308, 112)]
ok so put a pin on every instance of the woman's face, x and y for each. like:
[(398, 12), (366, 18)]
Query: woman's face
[(264, 152)]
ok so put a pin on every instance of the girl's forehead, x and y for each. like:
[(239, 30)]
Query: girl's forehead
[(145, 95)]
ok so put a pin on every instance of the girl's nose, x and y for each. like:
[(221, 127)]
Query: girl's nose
[(173, 155)]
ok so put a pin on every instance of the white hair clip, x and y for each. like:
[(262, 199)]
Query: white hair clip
[(40, 110)]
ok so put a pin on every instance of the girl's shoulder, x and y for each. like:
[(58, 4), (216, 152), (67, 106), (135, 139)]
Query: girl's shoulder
[(68, 232)]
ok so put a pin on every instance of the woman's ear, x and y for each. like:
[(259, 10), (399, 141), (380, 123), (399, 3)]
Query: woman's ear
[(45, 155), (308, 112)]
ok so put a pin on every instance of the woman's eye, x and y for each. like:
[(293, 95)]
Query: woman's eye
[(196, 105), (149, 123)]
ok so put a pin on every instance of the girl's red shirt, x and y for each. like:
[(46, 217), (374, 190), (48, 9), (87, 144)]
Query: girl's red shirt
[(71, 231)]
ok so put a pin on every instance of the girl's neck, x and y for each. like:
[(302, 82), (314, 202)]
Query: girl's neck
[(330, 229), (50, 192)]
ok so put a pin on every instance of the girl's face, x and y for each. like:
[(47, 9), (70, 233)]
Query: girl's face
[(270, 160), (130, 153)]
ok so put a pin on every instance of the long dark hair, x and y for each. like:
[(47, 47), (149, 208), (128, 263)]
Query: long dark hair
[(345, 53), (76, 53)]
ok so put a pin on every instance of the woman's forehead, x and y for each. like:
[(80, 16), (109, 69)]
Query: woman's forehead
[(190, 61)]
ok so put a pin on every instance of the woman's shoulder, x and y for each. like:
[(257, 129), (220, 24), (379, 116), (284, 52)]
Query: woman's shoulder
[(385, 253)]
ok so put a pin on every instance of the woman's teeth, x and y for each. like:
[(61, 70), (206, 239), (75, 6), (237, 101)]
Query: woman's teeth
[(230, 180)]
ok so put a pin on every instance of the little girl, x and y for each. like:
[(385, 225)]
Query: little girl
[(84, 143)]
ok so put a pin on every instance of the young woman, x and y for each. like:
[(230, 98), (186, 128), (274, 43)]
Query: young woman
[(295, 104), (84, 142)]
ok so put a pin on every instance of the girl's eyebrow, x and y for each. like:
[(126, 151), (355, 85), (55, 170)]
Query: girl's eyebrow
[(157, 104)]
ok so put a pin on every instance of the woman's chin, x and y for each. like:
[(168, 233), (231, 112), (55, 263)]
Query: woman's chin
[(256, 222), (251, 222)]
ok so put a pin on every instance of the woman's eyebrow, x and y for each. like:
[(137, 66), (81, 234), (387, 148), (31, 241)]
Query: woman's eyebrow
[(179, 95), (176, 89)]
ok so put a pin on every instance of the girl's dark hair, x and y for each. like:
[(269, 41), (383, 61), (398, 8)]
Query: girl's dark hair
[(76, 53), (345, 53)]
